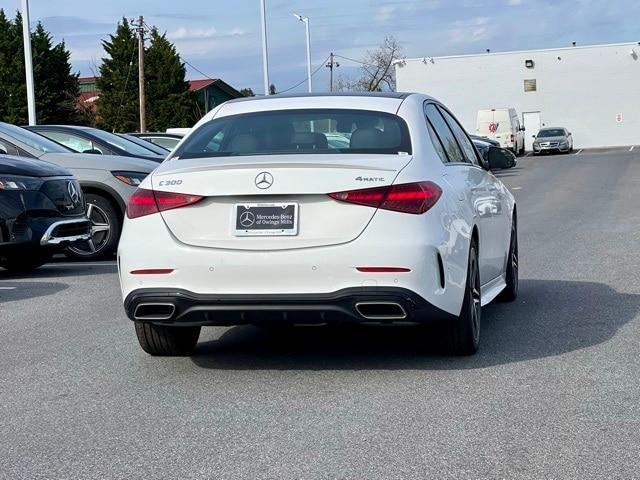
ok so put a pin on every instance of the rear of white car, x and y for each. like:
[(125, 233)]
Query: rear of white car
[(237, 228)]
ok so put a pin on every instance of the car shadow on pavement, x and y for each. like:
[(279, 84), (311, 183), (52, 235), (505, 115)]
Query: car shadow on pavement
[(549, 318), (14, 291)]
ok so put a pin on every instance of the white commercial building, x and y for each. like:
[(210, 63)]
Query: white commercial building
[(593, 91)]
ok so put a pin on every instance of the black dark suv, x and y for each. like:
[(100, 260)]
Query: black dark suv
[(42, 210)]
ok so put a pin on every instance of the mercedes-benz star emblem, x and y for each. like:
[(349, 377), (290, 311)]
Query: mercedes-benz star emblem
[(74, 194), (264, 180), (247, 219)]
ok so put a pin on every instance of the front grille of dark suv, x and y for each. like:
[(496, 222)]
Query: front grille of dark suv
[(59, 192)]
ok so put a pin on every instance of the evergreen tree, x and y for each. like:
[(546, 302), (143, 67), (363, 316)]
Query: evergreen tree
[(6, 55), (118, 82), (247, 92), (56, 88), (168, 100)]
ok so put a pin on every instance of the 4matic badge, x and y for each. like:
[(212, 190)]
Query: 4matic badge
[(370, 179)]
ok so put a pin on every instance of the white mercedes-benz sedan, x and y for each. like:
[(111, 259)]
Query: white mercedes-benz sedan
[(314, 209)]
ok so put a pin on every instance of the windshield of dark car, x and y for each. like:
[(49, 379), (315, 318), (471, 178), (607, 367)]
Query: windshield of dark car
[(556, 132), (120, 142), (32, 139), (299, 132)]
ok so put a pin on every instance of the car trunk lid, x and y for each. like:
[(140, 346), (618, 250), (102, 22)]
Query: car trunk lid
[(233, 185)]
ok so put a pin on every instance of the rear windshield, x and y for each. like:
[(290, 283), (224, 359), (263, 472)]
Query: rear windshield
[(556, 132), (299, 132), (33, 140)]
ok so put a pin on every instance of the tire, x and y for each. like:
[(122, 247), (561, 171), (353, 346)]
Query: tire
[(510, 293), (106, 224), (18, 264), (463, 333), (165, 341)]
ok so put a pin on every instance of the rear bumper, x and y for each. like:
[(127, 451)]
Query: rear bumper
[(343, 306)]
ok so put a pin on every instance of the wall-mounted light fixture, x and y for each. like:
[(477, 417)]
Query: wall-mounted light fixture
[(529, 63)]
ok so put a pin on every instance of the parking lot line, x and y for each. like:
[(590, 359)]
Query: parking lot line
[(578, 152), (7, 288), (631, 149)]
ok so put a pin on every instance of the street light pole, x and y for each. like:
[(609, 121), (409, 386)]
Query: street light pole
[(28, 63), (265, 60), (305, 20)]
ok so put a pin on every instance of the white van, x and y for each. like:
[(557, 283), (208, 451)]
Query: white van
[(502, 125)]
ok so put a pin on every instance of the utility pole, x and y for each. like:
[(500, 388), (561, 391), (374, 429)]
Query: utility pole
[(265, 59), (140, 28), (28, 63), (331, 65)]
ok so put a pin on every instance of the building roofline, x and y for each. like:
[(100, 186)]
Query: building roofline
[(396, 95), (515, 52)]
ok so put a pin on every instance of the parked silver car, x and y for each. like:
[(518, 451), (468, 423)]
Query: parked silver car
[(106, 180), (553, 139)]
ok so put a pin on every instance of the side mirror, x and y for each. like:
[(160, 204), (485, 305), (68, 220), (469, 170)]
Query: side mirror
[(500, 158), (523, 129), (93, 151)]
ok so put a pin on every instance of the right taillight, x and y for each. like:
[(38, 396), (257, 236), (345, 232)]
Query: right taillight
[(146, 202), (415, 198)]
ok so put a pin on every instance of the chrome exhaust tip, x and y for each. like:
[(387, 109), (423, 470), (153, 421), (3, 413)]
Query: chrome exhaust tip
[(381, 310), (154, 311)]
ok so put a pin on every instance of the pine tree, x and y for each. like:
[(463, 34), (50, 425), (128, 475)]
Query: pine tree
[(56, 88), (6, 54), (168, 100), (118, 82)]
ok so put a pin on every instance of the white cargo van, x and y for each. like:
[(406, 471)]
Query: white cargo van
[(502, 125)]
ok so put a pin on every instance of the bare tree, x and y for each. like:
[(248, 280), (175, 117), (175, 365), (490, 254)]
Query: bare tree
[(377, 72)]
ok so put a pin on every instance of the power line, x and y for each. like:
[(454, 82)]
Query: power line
[(197, 69), (306, 78), (355, 61), (282, 91), (126, 82)]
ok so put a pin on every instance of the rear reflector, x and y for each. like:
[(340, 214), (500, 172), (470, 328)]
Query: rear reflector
[(383, 269), (146, 202), (413, 198), (152, 271)]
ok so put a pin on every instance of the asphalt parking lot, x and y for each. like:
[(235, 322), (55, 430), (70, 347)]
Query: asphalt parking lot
[(553, 393)]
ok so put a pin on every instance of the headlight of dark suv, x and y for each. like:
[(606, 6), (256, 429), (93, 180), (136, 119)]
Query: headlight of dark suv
[(17, 182), (133, 179)]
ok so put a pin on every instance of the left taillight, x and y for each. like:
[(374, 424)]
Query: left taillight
[(146, 202), (415, 198)]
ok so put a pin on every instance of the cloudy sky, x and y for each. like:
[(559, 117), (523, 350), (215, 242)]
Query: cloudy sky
[(222, 38)]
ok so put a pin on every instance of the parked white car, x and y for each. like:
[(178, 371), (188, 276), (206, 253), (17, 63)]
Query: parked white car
[(257, 219), (502, 125)]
